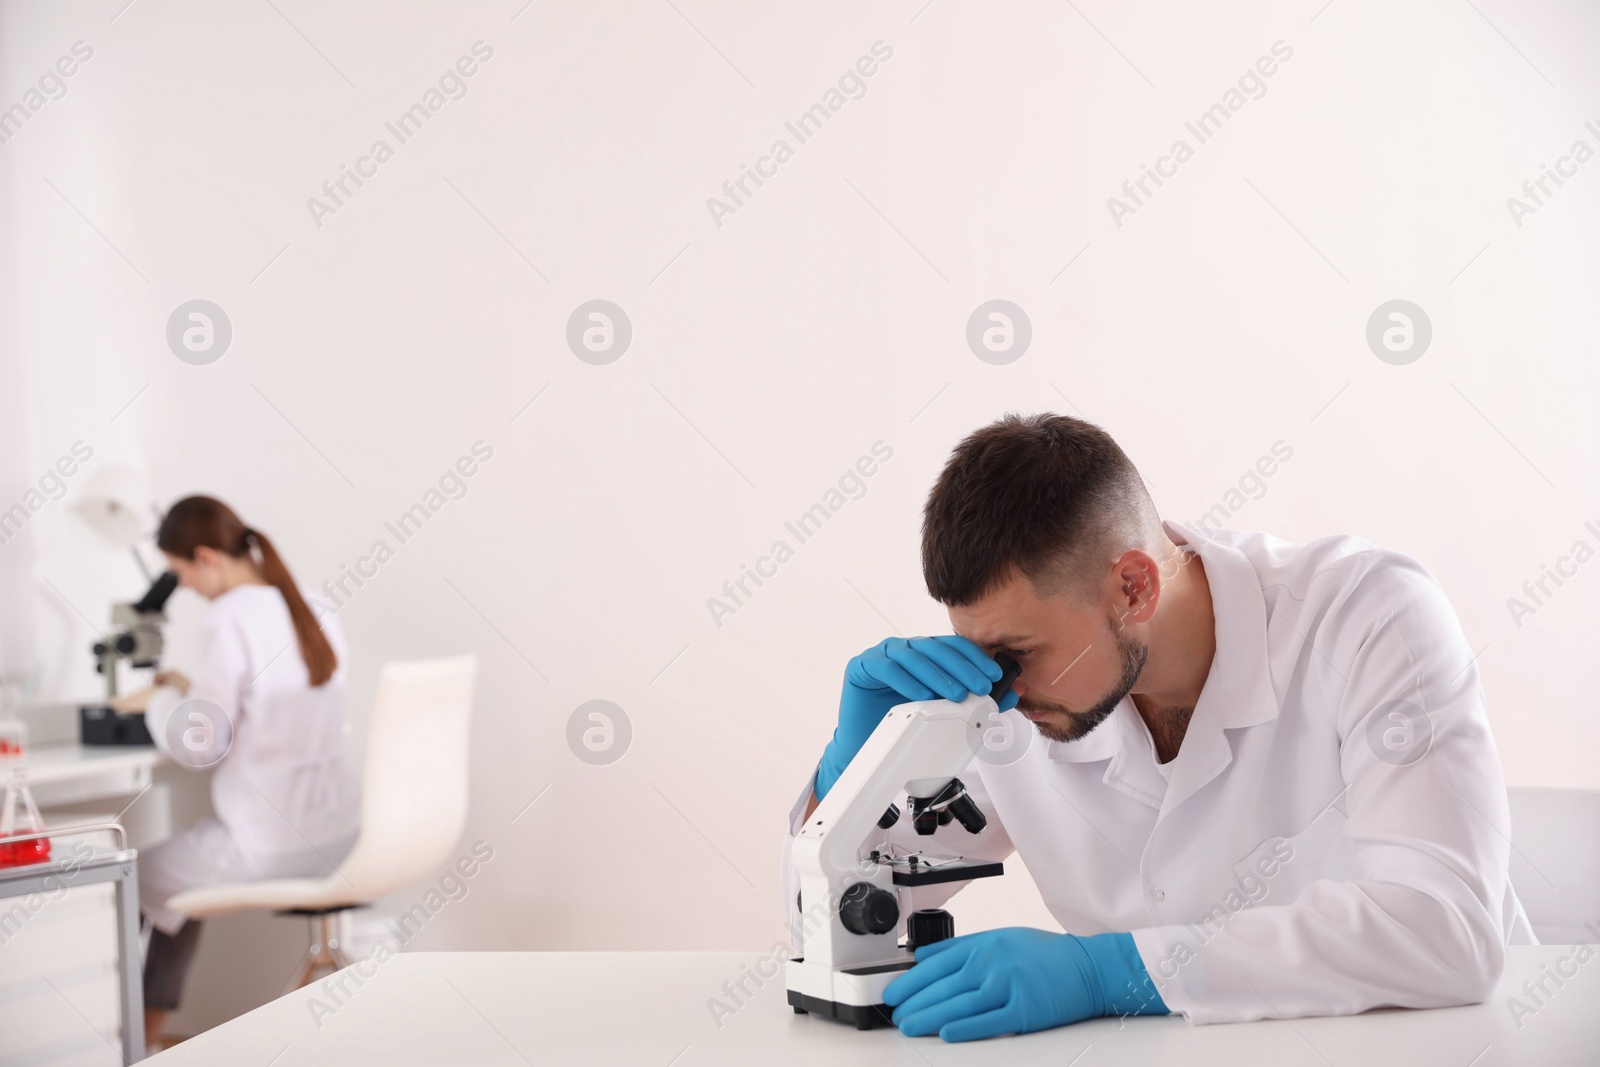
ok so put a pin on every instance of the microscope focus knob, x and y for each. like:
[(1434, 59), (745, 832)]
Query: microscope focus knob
[(866, 909), (928, 925)]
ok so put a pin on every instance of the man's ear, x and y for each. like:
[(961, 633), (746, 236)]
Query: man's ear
[(1138, 580)]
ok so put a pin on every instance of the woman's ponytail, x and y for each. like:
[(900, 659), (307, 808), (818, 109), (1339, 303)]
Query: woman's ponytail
[(318, 654)]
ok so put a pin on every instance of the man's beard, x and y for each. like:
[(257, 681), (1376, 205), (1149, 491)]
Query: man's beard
[(1079, 723)]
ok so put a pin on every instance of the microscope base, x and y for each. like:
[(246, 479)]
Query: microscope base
[(99, 725), (861, 1016), (853, 996)]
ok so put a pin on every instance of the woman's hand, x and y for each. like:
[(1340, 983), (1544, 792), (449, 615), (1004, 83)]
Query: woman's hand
[(176, 679), (129, 703)]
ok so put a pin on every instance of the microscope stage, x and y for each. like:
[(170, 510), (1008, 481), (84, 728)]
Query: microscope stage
[(947, 872)]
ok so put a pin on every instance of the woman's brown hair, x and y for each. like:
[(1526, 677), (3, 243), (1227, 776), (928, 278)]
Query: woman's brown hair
[(197, 521)]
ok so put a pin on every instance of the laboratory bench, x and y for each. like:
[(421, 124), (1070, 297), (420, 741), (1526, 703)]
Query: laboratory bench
[(675, 1009)]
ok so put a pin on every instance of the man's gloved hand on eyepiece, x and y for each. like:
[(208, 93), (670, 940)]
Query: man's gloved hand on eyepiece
[(894, 672), (1017, 980)]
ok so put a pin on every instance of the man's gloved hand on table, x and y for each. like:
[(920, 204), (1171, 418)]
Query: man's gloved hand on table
[(896, 671), (1017, 980)]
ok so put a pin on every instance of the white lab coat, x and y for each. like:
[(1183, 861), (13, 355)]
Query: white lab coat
[(286, 803), (1286, 868)]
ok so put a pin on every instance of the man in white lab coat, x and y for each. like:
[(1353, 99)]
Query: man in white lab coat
[(1259, 781)]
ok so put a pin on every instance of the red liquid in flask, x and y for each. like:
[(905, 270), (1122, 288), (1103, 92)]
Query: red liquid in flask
[(24, 852), (18, 816)]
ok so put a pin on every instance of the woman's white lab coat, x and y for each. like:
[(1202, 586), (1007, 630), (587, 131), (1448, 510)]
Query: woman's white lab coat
[(1333, 834), (286, 803)]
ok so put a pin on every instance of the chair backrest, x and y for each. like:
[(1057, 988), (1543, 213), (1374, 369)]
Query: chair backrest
[(1555, 861), (414, 796)]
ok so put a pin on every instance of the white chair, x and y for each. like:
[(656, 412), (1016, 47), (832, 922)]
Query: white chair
[(1555, 861), (414, 808)]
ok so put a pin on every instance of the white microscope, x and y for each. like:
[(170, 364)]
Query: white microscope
[(843, 857)]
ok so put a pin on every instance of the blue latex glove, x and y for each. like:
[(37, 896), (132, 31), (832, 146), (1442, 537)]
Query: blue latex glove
[(895, 672), (1017, 980)]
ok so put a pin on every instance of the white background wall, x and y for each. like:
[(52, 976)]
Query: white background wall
[(769, 353)]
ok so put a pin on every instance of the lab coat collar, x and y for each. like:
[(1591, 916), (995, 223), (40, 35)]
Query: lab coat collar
[(1239, 686), (1238, 689)]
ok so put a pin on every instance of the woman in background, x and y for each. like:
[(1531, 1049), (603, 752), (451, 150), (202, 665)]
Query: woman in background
[(266, 706)]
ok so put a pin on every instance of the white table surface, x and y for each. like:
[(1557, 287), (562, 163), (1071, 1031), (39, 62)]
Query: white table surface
[(650, 1008), (69, 773), (64, 761)]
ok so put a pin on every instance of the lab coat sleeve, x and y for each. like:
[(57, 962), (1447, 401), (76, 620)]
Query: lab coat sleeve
[(1421, 924), (221, 675), (992, 843)]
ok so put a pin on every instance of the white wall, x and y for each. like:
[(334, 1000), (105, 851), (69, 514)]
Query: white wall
[(771, 352)]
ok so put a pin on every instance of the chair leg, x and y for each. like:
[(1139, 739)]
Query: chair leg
[(325, 955)]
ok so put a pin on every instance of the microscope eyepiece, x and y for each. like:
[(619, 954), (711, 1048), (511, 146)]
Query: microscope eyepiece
[(155, 598), (1010, 669)]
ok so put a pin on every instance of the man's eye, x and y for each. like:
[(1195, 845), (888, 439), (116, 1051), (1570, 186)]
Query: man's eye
[(1018, 653)]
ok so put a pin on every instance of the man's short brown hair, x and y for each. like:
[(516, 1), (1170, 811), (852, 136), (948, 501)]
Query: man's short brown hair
[(1049, 496)]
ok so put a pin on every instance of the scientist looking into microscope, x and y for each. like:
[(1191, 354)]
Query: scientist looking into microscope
[(1262, 782), (266, 708)]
